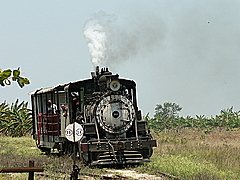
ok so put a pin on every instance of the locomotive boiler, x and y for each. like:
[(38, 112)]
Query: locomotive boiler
[(106, 107)]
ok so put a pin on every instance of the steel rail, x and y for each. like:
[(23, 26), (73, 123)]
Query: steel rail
[(104, 176), (169, 175), (117, 177)]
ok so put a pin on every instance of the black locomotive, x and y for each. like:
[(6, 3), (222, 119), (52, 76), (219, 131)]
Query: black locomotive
[(106, 107)]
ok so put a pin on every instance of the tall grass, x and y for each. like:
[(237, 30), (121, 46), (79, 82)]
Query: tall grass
[(196, 155), (188, 154)]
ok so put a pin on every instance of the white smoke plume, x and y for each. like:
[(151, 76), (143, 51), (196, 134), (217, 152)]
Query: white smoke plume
[(112, 40), (95, 32)]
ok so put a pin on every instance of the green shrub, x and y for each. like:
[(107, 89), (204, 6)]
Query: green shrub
[(16, 120)]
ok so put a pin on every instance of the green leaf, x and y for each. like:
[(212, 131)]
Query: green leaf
[(1, 82), (16, 73), (20, 81), (14, 78), (5, 74), (26, 81)]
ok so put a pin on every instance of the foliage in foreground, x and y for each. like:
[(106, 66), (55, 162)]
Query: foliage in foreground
[(5, 77), (15, 119)]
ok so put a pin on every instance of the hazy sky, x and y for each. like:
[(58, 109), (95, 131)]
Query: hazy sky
[(184, 51)]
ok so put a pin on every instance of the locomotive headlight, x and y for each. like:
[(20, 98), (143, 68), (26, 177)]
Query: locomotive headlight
[(115, 114), (115, 85)]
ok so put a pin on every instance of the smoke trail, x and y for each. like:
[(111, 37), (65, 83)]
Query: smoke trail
[(95, 32), (138, 35), (111, 41)]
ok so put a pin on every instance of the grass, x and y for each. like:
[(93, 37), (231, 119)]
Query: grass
[(188, 154), (16, 152), (194, 154)]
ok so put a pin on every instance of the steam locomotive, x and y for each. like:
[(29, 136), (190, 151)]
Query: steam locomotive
[(106, 107)]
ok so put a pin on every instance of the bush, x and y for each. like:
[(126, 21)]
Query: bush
[(15, 120)]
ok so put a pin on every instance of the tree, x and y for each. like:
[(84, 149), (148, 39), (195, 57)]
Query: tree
[(168, 109), (6, 75), (15, 120)]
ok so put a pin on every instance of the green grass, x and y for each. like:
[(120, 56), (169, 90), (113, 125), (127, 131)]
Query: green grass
[(16, 152), (189, 154), (18, 146), (189, 167), (195, 155)]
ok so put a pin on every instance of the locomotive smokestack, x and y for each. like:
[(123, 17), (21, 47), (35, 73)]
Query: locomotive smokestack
[(97, 70), (96, 73)]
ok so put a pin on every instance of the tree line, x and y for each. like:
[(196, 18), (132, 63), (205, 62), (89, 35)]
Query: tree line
[(16, 119), (167, 117)]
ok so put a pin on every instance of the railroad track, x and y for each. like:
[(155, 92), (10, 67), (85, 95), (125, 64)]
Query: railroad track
[(169, 175), (87, 175), (116, 175)]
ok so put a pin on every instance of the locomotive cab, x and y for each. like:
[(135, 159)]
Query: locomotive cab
[(106, 107)]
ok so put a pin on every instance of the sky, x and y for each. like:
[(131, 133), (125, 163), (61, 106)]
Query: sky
[(185, 51)]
